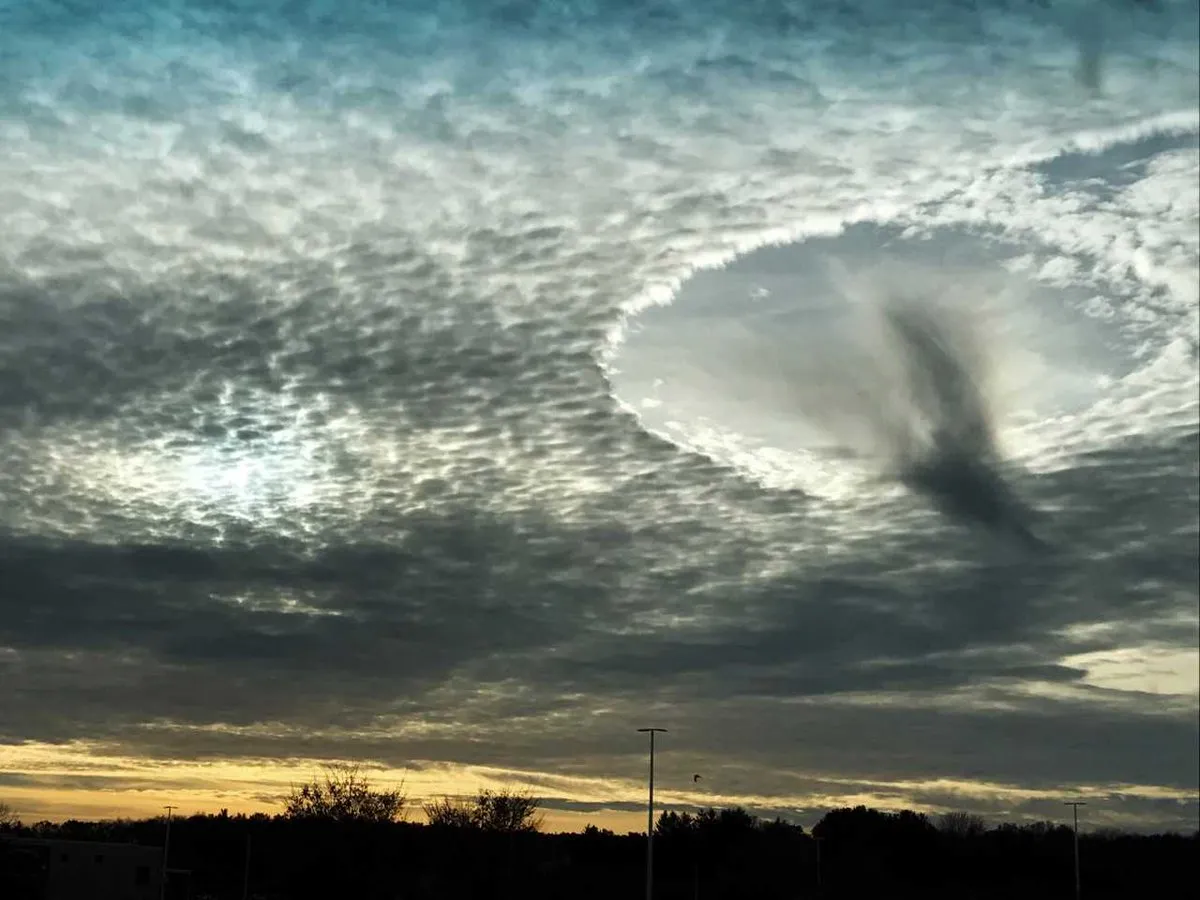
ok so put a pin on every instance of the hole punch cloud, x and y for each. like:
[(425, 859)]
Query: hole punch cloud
[(924, 396)]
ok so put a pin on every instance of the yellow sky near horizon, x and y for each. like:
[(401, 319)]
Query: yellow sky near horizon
[(79, 781), (58, 805), (82, 781), (85, 780)]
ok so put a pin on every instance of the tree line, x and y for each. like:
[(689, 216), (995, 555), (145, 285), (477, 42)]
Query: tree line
[(339, 836)]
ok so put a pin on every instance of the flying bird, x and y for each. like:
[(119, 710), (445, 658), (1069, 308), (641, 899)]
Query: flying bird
[(695, 778)]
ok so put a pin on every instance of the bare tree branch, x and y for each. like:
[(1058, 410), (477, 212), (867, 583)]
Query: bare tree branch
[(505, 812), (8, 818), (961, 824), (344, 795)]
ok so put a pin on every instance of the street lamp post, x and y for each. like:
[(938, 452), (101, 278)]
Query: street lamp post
[(696, 851), (1075, 804), (162, 884), (650, 817)]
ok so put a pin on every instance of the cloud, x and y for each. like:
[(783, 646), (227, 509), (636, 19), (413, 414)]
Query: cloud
[(310, 451), (399, 650)]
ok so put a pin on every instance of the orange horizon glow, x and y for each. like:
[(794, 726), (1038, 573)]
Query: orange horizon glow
[(127, 787)]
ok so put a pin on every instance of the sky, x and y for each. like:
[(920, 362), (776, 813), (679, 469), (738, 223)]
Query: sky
[(456, 389)]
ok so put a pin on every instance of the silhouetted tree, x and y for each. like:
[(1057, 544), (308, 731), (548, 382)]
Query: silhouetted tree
[(343, 795), (449, 813), (961, 824), (508, 812), (672, 825), (8, 818), (712, 854), (501, 812)]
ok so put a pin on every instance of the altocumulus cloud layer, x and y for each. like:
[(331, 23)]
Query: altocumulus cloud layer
[(339, 417)]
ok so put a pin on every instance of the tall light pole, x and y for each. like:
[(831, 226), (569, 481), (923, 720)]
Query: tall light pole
[(1075, 804), (696, 850), (650, 817), (162, 884)]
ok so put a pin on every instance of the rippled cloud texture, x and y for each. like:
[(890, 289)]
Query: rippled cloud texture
[(343, 417)]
